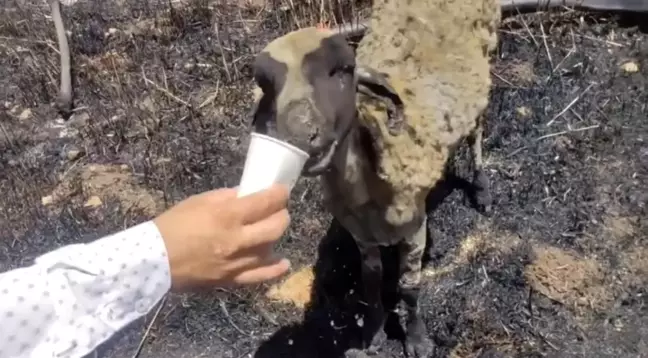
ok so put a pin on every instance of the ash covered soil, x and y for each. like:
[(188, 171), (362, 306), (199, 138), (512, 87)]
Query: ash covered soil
[(558, 270)]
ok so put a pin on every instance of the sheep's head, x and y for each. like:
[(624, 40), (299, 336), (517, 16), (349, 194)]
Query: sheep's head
[(306, 84), (306, 93)]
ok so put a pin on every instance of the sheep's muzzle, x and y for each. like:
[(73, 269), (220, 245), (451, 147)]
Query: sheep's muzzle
[(301, 124)]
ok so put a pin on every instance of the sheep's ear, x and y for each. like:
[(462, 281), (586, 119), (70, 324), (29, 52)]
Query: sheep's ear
[(352, 30), (375, 84), (262, 113)]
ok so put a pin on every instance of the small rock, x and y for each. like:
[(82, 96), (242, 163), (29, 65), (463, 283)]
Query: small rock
[(360, 322), (93, 202), (147, 104), (73, 154), (13, 162), (80, 119), (630, 67), (112, 31), (47, 200), (523, 111), (162, 160)]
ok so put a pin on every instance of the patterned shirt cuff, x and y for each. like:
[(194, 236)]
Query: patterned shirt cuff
[(112, 281)]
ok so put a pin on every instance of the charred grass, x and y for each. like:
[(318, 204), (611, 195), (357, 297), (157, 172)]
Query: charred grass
[(558, 270)]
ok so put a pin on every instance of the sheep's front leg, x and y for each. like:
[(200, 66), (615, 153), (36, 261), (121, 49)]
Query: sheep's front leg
[(373, 322), (482, 199), (373, 334), (417, 342)]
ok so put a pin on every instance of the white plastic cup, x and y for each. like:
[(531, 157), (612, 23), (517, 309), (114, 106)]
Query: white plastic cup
[(270, 161)]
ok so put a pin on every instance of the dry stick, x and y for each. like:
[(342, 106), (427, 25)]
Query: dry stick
[(570, 105), (291, 5), (64, 98), (244, 22), (576, 114), (229, 319), (9, 139), (116, 74), (515, 34), (166, 82), (220, 44), (212, 97), (504, 79), (527, 27), (264, 313), (321, 10), (611, 43), (148, 329), (566, 132), (165, 91), (571, 51), (544, 40)]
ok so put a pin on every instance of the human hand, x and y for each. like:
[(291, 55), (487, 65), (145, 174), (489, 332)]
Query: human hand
[(217, 239)]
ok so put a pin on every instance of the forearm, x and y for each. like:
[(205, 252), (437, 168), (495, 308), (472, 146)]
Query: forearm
[(74, 298)]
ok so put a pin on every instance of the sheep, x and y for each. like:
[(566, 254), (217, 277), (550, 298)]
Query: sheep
[(380, 133), (64, 98), (435, 56)]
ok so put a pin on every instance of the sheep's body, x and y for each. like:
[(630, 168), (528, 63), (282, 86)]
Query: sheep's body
[(435, 55)]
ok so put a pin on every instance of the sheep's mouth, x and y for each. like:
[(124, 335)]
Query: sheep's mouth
[(320, 159), (321, 156)]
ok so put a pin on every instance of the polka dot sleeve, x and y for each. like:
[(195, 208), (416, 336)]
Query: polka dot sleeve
[(74, 298)]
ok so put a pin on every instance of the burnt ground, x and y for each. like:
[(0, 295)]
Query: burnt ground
[(558, 270)]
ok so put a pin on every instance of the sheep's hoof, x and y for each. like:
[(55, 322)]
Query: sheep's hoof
[(417, 343), (482, 197), (376, 343), (374, 347), (423, 349), (478, 195), (355, 353)]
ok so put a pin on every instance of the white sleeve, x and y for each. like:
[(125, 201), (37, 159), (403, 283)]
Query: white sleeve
[(74, 298)]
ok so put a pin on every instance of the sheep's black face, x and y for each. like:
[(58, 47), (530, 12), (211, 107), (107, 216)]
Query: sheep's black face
[(308, 99)]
